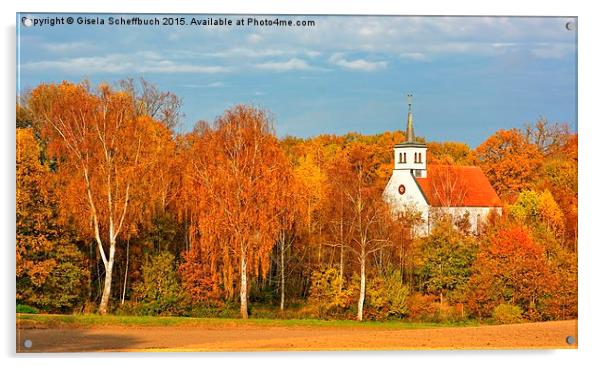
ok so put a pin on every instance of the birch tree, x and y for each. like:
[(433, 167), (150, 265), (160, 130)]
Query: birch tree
[(101, 149), (368, 212), (240, 176)]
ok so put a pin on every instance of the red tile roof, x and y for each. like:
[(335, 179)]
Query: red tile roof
[(457, 186)]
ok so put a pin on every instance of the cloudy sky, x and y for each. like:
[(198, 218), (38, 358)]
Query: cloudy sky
[(469, 75)]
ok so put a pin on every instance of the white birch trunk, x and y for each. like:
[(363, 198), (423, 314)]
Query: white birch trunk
[(106, 292), (125, 277), (282, 273), (243, 286), (360, 303)]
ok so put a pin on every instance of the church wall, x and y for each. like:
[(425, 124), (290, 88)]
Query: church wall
[(477, 215), (412, 199)]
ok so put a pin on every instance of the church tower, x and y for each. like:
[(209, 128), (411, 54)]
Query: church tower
[(403, 190), (411, 155)]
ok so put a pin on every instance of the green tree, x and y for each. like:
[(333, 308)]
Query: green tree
[(445, 259), (159, 292)]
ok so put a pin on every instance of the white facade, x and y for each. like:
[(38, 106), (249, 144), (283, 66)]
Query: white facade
[(411, 198)]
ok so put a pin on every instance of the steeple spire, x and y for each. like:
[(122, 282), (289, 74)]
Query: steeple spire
[(410, 127)]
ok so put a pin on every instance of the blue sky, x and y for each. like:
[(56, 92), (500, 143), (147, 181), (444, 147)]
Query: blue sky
[(470, 76)]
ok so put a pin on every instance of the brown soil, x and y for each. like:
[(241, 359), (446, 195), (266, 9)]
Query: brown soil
[(267, 338)]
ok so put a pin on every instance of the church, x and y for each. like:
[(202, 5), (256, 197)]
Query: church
[(464, 192)]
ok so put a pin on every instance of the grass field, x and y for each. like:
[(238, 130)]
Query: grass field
[(56, 321)]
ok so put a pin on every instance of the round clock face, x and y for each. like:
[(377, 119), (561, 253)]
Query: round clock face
[(401, 189)]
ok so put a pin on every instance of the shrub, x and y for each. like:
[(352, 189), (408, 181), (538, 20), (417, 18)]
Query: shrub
[(198, 282), (507, 314), (422, 307), (427, 308), (89, 307), (59, 285), (386, 297), (159, 292), (26, 309), (327, 298)]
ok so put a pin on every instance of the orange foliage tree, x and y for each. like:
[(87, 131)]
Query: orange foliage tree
[(510, 162), (240, 179), (368, 213), (103, 152), (510, 268), (449, 152)]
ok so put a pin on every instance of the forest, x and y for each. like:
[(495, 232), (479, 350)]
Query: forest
[(118, 213)]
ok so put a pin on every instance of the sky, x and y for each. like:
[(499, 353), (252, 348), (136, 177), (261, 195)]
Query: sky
[(469, 76)]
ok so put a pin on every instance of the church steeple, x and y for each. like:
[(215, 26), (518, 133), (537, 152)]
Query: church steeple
[(410, 155), (410, 126)]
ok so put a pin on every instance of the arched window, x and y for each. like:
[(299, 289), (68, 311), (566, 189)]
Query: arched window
[(415, 157), (404, 157), (420, 157)]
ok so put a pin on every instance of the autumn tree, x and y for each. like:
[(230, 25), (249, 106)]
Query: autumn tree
[(240, 176), (310, 181), (24, 117), (369, 214), (102, 149), (288, 215), (510, 161), (50, 269), (449, 153), (163, 106), (510, 268), (549, 138), (337, 213), (534, 208), (560, 177)]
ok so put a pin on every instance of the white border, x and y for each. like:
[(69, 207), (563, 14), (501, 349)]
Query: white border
[(589, 152)]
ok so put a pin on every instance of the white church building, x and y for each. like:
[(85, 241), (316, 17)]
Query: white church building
[(459, 191)]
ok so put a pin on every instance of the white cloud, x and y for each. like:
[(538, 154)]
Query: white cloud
[(415, 56), (312, 54), (254, 38), (553, 50), (217, 84), (140, 62), (246, 52), (64, 47), (357, 64), (432, 37), (292, 64)]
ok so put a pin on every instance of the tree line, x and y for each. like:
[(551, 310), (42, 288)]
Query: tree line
[(116, 212)]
